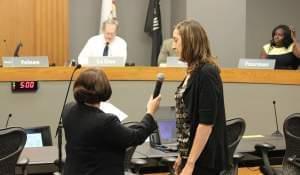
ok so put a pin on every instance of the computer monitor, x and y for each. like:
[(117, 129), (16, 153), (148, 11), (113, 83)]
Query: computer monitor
[(38, 136)]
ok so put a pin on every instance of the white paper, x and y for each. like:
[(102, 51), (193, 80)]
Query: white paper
[(109, 108), (252, 136)]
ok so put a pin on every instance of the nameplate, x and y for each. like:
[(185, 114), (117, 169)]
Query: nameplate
[(106, 61), (246, 63), (32, 61), (175, 62)]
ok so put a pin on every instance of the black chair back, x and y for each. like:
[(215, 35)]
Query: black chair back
[(12, 142), (130, 150), (291, 129), (235, 129)]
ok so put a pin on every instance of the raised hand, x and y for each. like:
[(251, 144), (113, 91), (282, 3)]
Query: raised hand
[(293, 33)]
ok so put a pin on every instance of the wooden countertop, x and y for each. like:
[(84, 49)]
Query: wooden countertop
[(229, 75)]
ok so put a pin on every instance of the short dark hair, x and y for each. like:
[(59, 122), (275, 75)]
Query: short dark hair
[(92, 86), (287, 40)]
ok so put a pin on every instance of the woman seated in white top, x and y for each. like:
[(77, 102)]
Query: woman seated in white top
[(283, 47)]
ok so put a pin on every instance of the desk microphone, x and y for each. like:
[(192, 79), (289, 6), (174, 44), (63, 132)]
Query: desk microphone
[(7, 120), (60, 124), (277, 132), (73, 63), (6, 48), (17, 50), (159, 82)]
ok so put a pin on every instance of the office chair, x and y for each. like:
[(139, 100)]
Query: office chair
[(235, 129), (128, 161), (12, 141), (291, 129), (169, 161), (295, 161)]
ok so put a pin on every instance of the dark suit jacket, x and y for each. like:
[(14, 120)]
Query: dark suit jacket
[(166, 51), (96, 141)]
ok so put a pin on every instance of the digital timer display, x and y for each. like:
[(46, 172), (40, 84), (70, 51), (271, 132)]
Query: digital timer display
[(24, 86)]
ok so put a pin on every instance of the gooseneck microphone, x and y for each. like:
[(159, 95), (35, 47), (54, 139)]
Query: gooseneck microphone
[(159, 82), (7, 120), (17, 50), (78, 66), (60, 124), (6, 48), (277, 133)]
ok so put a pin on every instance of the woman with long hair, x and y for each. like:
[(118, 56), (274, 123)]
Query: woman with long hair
[(200, 111)]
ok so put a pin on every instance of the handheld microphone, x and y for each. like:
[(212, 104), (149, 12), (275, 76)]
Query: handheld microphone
[(159, 82), (154, 137), (16, 53), (277, 132), (60, 124), (7, 120)]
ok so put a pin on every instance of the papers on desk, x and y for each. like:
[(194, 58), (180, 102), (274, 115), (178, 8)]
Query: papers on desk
[(109, 108), (252, 136)]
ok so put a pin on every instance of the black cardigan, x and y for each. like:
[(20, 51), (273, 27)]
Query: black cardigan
[(204, 102), (96, 141)]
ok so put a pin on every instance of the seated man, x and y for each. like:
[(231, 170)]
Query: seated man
[(105, 44), (166, 51)]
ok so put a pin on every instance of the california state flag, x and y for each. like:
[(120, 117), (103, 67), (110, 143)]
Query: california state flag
[(108, 11)]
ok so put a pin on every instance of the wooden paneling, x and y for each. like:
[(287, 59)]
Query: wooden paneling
[(284, 77), (41, 25), (17, 24), (52, 29)]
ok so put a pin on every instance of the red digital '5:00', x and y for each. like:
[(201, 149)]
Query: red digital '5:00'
[(24, 86)]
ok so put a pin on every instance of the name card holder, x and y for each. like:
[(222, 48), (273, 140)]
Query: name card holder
[(106, 61), (175, 62), (25, 61), (256, 63)]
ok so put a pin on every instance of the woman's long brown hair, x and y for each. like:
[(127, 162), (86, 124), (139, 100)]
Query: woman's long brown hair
[(195, 45)]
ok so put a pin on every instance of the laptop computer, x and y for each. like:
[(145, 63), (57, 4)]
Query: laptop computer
[(165, 138), (175, 62), (38, 136), (256, 63), (106, 61), (167, 132)]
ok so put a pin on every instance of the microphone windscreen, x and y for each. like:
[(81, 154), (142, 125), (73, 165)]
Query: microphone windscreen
[(160, 77), (78, 66), (159, 82)]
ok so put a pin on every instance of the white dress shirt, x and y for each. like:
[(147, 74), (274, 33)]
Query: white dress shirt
[(95, 47)]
